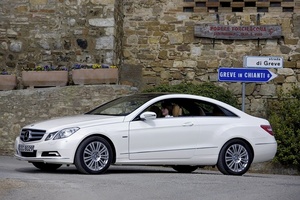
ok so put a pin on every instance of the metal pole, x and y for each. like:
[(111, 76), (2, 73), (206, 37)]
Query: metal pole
[(243, 96)]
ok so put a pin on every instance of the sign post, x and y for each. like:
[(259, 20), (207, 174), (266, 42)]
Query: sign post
[(257, 72), (260, 62)]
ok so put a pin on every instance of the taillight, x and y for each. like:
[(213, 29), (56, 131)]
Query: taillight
[(267, 128)]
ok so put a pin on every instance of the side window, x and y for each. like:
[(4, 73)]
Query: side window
[(211, 109), (155, 108), (167, 108), (182, 107)]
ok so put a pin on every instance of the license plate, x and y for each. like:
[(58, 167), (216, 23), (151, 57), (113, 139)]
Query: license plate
[(26, 148)]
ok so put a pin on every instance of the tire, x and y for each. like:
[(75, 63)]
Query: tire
[(46, 166), (235, 158), (185, 168), (93, 156)]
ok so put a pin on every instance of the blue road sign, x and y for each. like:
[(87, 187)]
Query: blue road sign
[(245, 75)]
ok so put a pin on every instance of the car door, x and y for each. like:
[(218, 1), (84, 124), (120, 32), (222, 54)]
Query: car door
[(163, 138)]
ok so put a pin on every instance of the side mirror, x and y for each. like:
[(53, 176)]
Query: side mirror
[(148, 115)]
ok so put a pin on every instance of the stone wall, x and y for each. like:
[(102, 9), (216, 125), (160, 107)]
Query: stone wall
[(21, 107), (152, 42), (159, 36), (58, 33)]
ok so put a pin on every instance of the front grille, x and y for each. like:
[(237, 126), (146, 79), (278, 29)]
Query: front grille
[(28, 135), (29, 154)]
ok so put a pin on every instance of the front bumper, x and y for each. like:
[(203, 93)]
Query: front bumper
[(54, 151)]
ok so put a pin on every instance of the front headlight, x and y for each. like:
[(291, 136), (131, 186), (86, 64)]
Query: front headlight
[(62, 133)]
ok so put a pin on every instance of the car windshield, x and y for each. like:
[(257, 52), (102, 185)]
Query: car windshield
[(122, 106)]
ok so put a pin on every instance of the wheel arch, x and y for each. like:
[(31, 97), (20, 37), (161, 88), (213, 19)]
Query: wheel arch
[(104, 137)]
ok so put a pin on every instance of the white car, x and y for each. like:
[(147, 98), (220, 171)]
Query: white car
[(131, 130)]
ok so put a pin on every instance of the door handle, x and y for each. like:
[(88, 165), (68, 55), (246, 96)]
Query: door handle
[(188, 124)]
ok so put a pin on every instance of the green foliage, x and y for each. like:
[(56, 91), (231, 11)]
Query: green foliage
[(284, 115), (205, 89)]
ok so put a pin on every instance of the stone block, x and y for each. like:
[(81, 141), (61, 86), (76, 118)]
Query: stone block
[(175, 38), (257, 106), (132, 74), (184, 47), (22, 9), (226, 63), (291, 79), (100, 22), (146, 55), (181, 29), (267, 90), (153, 40), (167, 27), (177, 75), (141, 40), (106, 42), (190, 75), (213, 63), (291, 41), (295, 57), (285, 49), (158, 33), (201, 64), (178, 64), (250, 88), (153, 28), (296, 21), (150, 80), (279, 79), (164, 75), (16, 46), (287, 87), (285, 71), (163, 54), (235, 88), (202, 78), (38, 2), (195, 51), (290, 64), (213, 77), (164, 39), (298, 64), (103, 2), (190, 63)]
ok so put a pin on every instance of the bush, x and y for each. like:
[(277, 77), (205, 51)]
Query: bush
[(284, 115), (205, 89)]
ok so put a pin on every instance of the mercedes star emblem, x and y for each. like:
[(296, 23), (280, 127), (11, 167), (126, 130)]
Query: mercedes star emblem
[(27, 136)]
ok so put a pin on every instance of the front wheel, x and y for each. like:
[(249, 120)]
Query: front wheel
[(93, 156), (235, 158), (185, 168), (46, 166)]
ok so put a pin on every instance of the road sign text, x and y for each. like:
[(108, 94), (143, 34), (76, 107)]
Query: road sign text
[(245, 75)]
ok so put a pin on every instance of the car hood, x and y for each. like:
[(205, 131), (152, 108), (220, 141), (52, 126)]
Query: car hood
[(80, 121)]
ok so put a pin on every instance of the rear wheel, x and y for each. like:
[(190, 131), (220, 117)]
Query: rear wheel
[(185, 168), (46, 166), (235, 158), (93, 156)]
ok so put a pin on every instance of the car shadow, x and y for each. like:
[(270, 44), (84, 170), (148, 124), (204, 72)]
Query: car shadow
[(114, 170)]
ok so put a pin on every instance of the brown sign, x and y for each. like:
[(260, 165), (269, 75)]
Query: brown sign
[(218, 31)]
